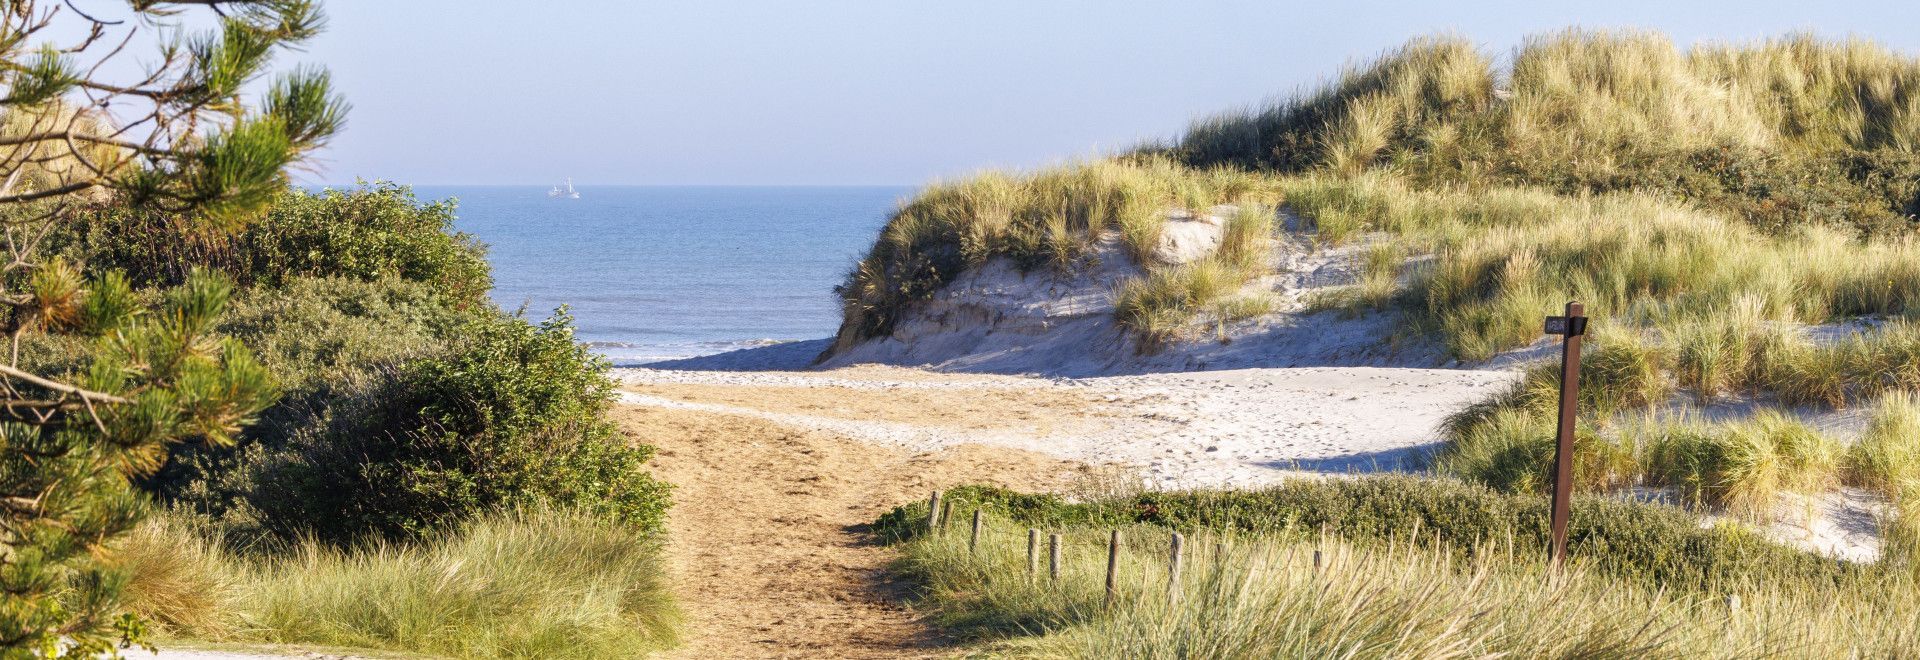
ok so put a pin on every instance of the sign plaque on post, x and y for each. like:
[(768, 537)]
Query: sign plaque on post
[(1570, 328)]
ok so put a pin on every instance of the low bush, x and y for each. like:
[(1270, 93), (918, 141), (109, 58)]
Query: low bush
[(1648, 544), (537, 584), (511, 415), (328, 340)]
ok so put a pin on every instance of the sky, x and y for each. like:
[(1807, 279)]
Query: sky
[(893, 92)]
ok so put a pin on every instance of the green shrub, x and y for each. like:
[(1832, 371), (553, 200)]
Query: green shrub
[(1647, 543), (314, 330), (367, 233), (327, 340), (512, 415)]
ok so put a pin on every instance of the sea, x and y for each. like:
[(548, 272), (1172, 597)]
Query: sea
[(655, 273)]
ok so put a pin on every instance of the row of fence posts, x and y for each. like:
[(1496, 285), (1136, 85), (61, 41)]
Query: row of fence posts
[(940, 510)]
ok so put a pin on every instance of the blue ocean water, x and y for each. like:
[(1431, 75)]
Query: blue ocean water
[(655, 273)]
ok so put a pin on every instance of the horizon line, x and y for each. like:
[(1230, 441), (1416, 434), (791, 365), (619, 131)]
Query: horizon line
[(621, 185)]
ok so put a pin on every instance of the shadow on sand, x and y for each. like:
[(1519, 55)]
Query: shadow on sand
[(785, 356), (1402, 459)]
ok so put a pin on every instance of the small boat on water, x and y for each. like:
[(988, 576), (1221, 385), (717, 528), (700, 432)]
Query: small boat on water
[(566, 192)]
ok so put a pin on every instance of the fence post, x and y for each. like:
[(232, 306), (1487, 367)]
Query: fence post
[(946, 512), (1053, 557), (1033, 552), (933, 512), (1173, 570), (973, 537), (1113, 567), (1570, 327), (1318, 547)]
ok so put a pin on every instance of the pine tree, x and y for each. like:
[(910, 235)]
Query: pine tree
[(180, 137)]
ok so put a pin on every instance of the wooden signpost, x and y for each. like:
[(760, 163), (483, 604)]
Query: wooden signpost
[(1570, 327)]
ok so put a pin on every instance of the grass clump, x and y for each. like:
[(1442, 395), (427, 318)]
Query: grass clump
[(1887, 456), (1745, 466), (515, 585)]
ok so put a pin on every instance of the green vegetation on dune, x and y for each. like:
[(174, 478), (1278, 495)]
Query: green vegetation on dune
[(1780, 133), (1503, 256), (1407, 567), (1611, 166)]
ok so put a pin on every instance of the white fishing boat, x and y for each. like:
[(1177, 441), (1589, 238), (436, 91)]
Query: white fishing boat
[(566, 192)]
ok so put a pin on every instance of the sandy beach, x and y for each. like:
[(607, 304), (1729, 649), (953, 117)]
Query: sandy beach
[(1235, 428)]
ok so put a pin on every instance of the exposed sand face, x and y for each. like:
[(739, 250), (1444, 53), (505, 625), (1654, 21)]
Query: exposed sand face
[(998, 319)]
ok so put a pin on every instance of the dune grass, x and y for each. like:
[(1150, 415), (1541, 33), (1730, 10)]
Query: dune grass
[(1503, 256), (1386, 586), (521, 585), (1780, 133)]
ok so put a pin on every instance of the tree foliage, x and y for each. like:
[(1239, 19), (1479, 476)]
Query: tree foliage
[(182, 138), (367, 233)]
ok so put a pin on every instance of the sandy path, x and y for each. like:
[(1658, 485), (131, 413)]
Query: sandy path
[(767, 539), (1229, 428)]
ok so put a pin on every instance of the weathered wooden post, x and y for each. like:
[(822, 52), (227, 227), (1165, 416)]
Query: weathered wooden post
[(1173, 570), (1113, 568), (1053, 557), (1570, 327), (1318, 548), (946, 512), (933, 512), (973, 537), (1033, 552)]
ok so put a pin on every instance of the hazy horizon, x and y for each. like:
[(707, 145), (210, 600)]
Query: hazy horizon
[(864, 93)]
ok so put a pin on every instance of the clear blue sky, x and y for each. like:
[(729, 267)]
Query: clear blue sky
[(887, 91)]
